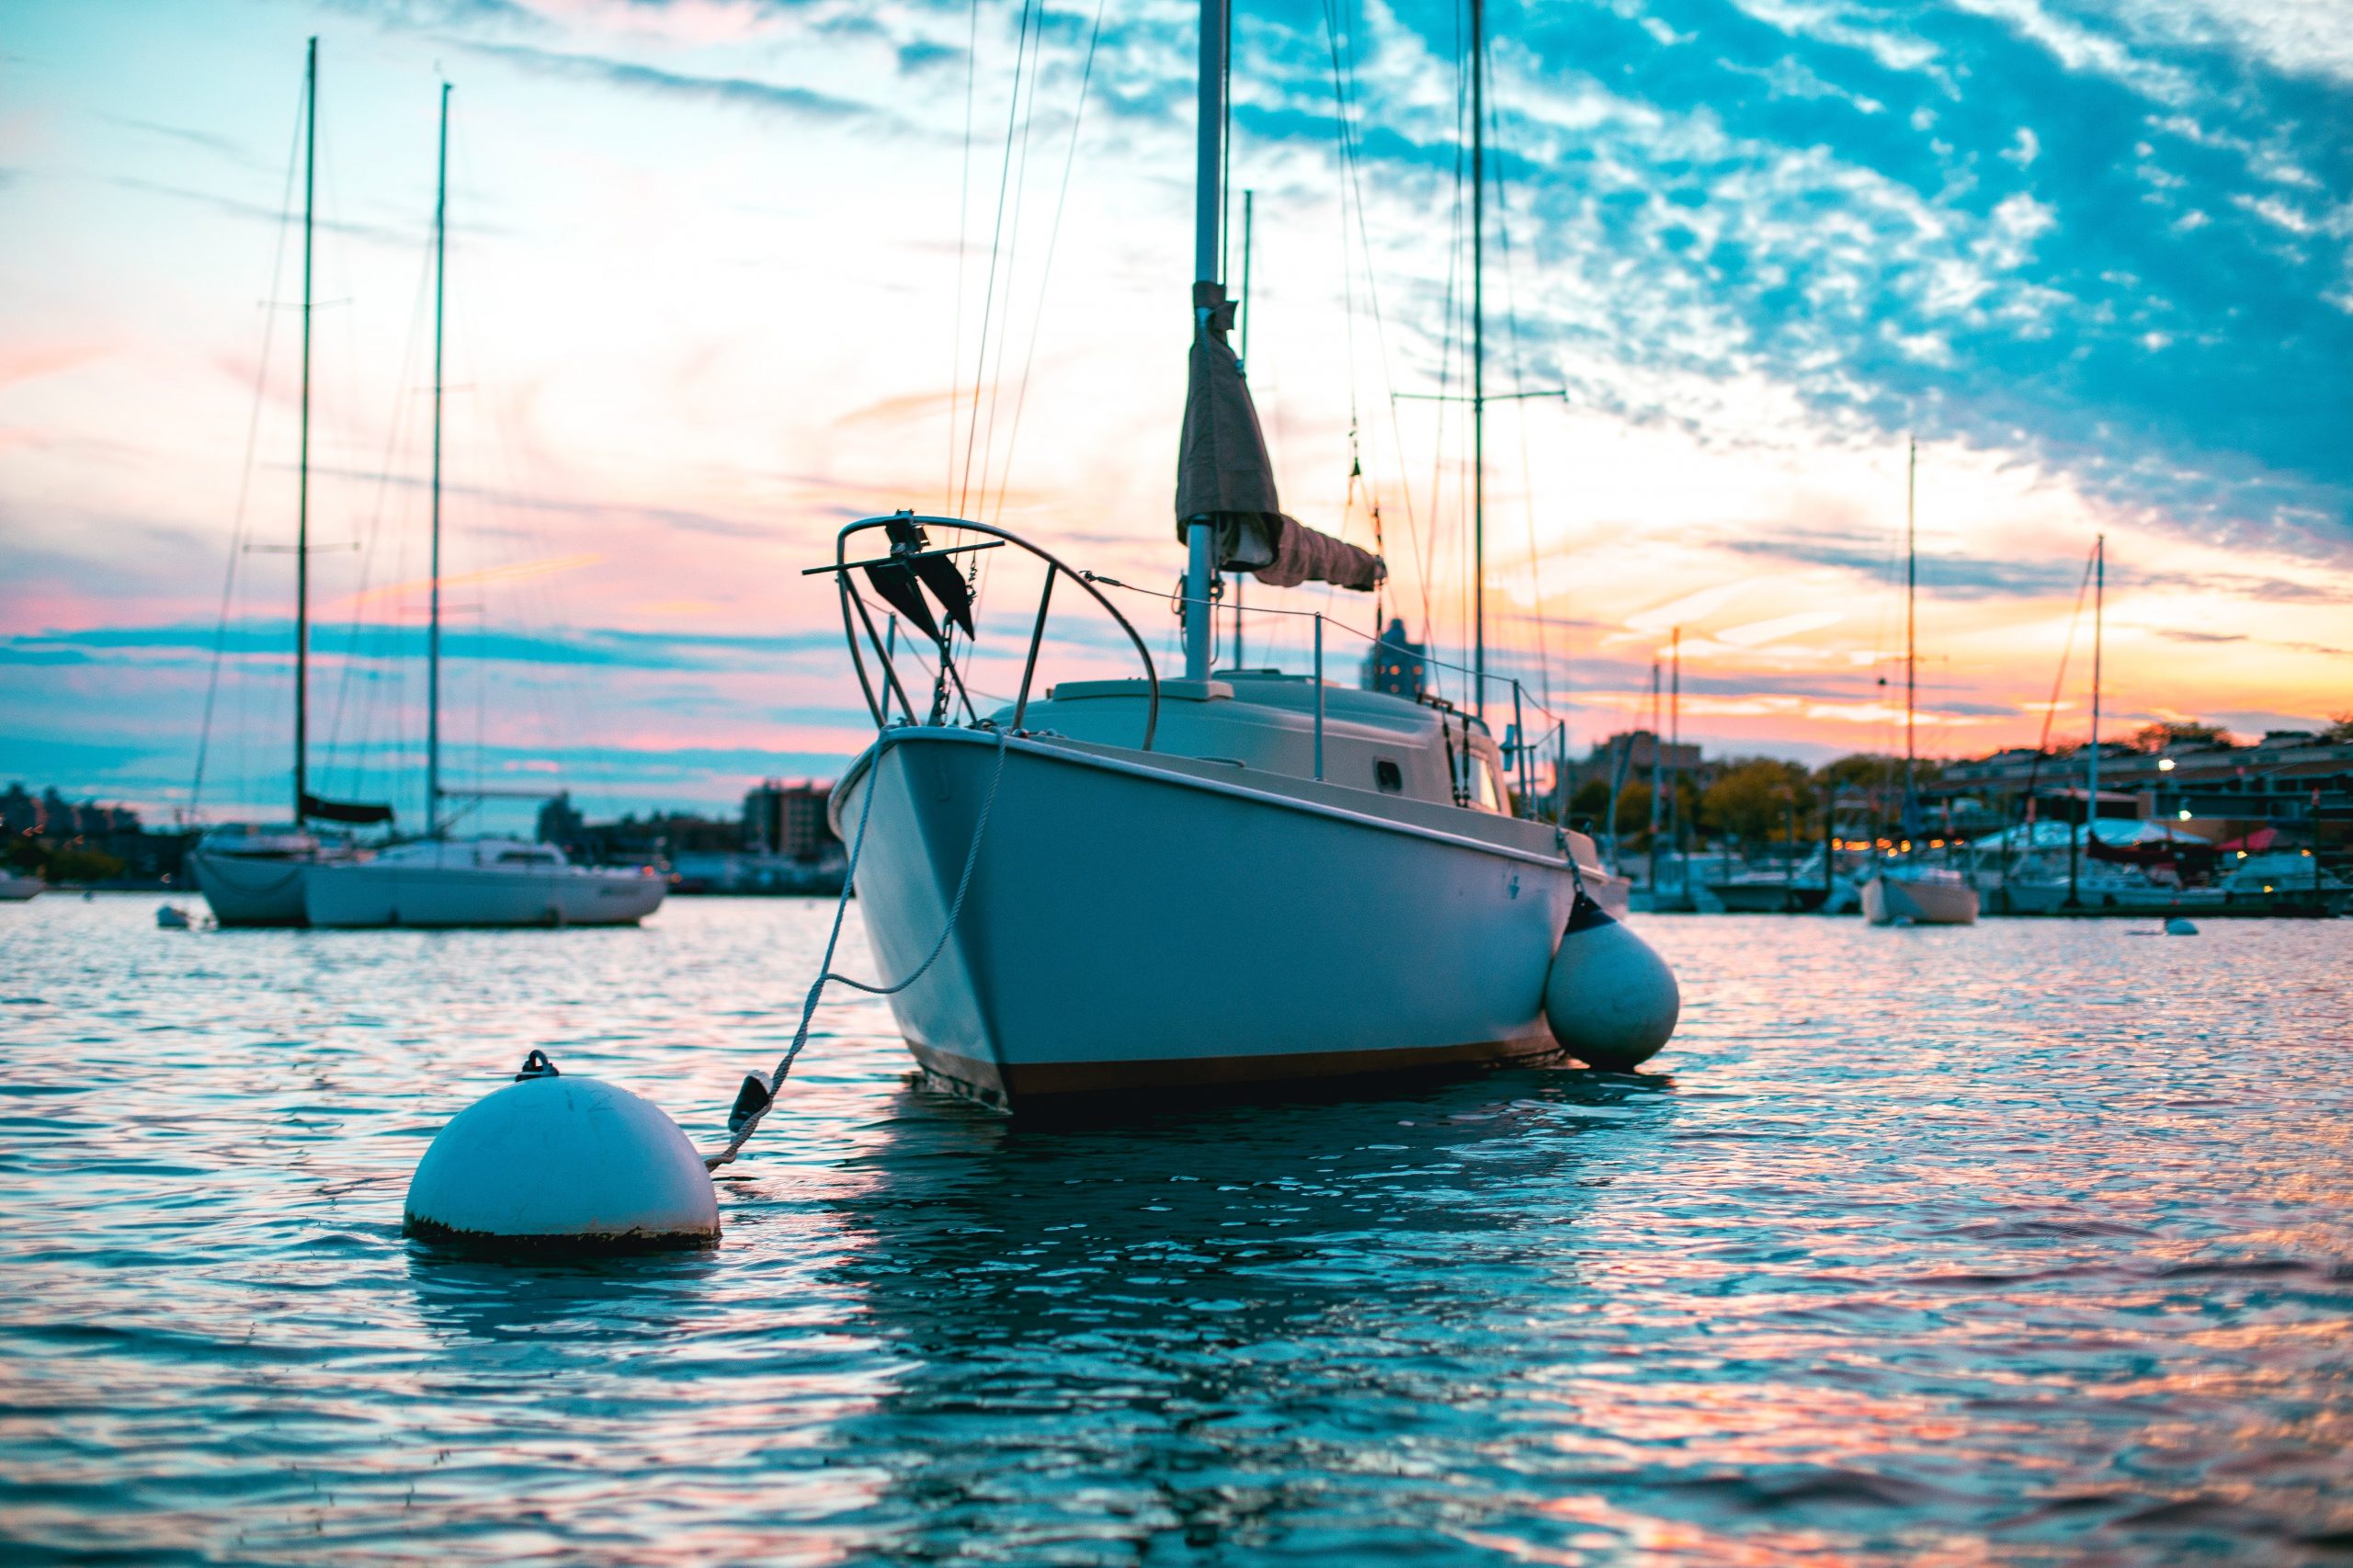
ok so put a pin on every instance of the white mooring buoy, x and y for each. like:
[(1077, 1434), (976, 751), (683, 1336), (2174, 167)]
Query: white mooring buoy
[(556, 1162), (1610, 999), (2180, 925)]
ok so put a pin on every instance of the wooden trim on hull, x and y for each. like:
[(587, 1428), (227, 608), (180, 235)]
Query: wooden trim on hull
[(1061, 1082)]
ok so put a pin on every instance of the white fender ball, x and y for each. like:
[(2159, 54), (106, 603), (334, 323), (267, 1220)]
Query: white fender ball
[(551, 1162), (1610, 999)]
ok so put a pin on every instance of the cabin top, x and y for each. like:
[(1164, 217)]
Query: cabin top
[(1265, 720)]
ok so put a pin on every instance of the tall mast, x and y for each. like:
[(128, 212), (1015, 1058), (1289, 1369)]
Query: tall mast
[(1911, 586), (1200, 624), (2099, 604), (1656, 757), (1244, 356), (1479, 356), (433, 631), (1674, 729), (302, 467)]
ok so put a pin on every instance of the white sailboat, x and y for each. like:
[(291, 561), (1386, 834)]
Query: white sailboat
[(1909, 888), (480, 882), (253, 876), (1136, 885), (442, 882)]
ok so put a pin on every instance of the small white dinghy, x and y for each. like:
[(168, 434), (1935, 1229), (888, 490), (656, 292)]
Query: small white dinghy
[(1923, 895), (253, 876)]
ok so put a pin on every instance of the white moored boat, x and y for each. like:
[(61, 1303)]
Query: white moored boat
[(1141, 919), (1925, 895), (253, 876), (478, 882), (16, 889), (482, 881), (1906, 891), (1140, 885)]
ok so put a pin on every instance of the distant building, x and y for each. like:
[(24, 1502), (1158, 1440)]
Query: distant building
[(19, 811), (1397, 664), (1626, 758), (562, 825), (788, 818), (2289, 776)]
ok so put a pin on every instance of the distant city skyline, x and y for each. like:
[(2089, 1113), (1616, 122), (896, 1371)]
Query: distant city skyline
[(709, 300)]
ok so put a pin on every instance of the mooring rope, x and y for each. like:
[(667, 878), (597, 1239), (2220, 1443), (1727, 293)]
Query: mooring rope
[(742, 1135)]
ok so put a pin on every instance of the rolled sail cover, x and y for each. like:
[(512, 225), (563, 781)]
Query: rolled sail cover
[(1223, 475)]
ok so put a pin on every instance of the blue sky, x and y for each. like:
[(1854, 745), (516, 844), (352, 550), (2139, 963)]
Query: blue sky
[(721, 275)]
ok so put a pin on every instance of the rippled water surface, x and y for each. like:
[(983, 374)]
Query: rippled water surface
[(2027, 1242)]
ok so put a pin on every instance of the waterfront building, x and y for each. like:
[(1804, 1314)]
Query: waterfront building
[(788, 818), (1397, 664), (2289, 776), (562, 825), (1626, 757)]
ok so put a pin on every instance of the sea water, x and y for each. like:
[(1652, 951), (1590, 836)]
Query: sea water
[(2030, 1242)]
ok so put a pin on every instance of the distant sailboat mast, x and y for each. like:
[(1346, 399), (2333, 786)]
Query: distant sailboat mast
[(302, 465), (1911, 654), (2100, 610), (433, 631)]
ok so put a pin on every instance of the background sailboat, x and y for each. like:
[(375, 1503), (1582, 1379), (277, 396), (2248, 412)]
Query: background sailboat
[(1909, 888), (253, 876), (472, 881)]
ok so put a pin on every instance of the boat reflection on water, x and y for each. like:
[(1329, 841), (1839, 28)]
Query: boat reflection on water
[(573, 1310), (1184, 1322)]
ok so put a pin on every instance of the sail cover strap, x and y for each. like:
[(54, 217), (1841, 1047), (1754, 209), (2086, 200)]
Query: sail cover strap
[(1223, 475)]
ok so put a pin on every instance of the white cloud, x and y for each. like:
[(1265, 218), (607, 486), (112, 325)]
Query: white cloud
[(2080, 49), (2303, 38)]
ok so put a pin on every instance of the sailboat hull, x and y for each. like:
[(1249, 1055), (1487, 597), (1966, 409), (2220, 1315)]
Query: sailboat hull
[(376, 893), (1887, 900), (1138, 922), (253, 889)]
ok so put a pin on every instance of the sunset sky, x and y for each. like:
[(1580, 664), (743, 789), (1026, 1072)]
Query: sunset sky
[(721, 272)]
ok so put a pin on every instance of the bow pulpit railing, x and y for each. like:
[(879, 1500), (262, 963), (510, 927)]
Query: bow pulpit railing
[(917, 581)]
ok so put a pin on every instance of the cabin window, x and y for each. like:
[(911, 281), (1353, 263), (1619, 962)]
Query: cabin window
[(1486, 793), (1388, 775)]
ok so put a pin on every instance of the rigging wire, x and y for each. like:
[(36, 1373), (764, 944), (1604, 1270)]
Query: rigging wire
[(1019, 161), (996, 239), (341, 771), (1341, 44), (963, 210), (1053, 239), (398, 422), (1519, 385), (237, 530), (1450, 343), (2058, 682)]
